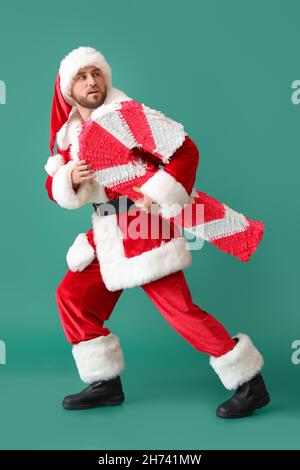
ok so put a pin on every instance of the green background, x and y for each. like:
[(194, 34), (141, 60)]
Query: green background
[(224, 69)]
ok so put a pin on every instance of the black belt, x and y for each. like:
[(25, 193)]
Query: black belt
[(115, 206)]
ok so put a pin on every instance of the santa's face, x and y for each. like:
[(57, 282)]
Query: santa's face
[(88, 88)]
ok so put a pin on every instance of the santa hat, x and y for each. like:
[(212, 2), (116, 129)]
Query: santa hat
[(69, 66)]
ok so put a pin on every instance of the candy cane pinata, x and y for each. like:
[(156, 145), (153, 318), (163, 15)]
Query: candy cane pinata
[(107, 141)]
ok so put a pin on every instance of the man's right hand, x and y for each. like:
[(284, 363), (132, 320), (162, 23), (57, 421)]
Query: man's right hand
[(81, 172)]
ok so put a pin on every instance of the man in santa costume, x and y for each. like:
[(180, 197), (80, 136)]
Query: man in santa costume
[(108, 259)]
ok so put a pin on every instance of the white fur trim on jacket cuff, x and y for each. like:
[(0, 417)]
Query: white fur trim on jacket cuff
[(98, 193), (80, 254), (54, 163), (239, 365), (63, 191), (99, 358), (165, 190)]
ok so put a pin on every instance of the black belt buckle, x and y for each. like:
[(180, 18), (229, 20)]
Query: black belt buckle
[(115, 206)]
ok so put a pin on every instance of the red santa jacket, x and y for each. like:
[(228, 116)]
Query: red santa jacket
[(128, 255)]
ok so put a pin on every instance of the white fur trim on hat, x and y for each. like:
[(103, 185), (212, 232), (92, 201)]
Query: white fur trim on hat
[(54, 163), (80, 254), (239, 365), (77, 59), (99, 358)]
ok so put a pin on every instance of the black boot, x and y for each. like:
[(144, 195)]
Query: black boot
[(248, 397), (101, 393)]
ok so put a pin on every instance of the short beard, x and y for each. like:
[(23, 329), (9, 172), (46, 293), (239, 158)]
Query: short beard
[(89, 105)]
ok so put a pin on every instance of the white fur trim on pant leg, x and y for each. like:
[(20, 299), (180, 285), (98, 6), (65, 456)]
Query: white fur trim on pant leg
[(80, 254), (63, 191), (165, 190), (239, 365), (99, 358)]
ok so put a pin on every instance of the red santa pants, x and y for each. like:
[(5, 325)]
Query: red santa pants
[(84, 304)]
